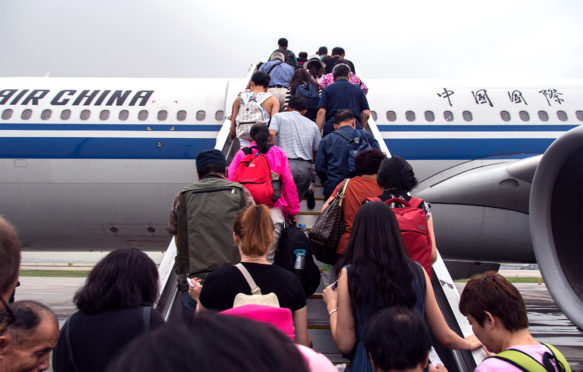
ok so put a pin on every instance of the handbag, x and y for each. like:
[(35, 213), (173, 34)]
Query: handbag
[(328, 228), (255, 298)]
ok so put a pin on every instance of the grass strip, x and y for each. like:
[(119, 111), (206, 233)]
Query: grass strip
[(55, 273)]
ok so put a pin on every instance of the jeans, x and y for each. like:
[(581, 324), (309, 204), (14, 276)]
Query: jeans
[(188, 305)]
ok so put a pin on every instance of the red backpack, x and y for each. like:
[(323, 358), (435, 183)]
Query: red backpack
[(414, 231), (255, 174)]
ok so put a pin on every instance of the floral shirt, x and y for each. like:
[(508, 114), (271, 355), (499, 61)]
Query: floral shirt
[(329, 79)]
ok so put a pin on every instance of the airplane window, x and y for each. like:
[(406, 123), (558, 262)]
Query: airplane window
[(65, 114), (448, 115), (181, 115), (543, 116), (220, 115), (562, 115), (26, 114), (524, 116), (7, 114), (429, 116), (391, 116), (124, 115), (467, 115), (85, 114), (46, 114), (162, 115), (143, 115), (410, 115), (200, 115), (505, 115), (373, 115), (104, 115), (579, 114)]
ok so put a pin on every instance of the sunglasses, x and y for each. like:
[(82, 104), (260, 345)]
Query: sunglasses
[(11, 318)]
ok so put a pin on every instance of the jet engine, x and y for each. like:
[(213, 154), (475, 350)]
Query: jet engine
[(500, 210)]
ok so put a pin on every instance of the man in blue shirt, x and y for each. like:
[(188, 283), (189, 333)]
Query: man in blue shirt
[(341, 95), (280, 74), (333, 153)]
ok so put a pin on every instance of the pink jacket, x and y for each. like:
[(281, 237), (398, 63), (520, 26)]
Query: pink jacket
[(288, 202)]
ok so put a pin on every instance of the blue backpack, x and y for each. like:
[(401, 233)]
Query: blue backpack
[(357, 144), (310, 92)]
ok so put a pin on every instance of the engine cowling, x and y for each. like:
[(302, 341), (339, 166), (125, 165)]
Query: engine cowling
[(556, 222)]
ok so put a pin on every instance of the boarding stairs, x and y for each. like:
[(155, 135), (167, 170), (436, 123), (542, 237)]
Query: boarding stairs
[(318, 322)]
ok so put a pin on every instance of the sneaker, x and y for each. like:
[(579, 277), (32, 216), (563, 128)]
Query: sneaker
[(311, 199)]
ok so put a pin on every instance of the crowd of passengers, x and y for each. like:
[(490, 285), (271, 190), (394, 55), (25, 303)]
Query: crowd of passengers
[(240, 312)]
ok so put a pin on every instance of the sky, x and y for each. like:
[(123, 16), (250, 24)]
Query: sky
[(417, 39)]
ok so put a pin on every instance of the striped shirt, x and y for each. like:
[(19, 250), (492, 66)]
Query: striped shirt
[(297, 135)]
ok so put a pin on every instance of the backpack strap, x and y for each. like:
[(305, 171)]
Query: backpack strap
[(246, 150), (341, 134), (526, 362), (254, 287), (562, 363), (398, 201), (273, 66), (415, 202), (146, 310)]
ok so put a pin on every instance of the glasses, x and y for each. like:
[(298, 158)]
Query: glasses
[(11, 316)]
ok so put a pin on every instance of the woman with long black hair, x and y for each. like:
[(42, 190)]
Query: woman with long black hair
[(377, 274)]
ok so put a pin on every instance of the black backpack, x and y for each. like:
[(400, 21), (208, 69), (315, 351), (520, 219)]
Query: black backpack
[(290, 240)]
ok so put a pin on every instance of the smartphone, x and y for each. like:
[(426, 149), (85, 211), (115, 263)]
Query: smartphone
[(334, 285), (188, 280)]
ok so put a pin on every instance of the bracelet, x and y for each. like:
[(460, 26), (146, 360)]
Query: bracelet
[(332, 311)]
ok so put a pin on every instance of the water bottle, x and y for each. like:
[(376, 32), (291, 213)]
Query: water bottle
[(326, 278), (300, 258), (302, 228)]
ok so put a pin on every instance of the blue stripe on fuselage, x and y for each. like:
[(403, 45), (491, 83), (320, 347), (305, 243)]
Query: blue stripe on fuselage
[(466, 149), (115, 127), (104, 148), (475, 128)]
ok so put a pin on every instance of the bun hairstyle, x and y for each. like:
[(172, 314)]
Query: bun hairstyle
[(396, 173), (255, 229)]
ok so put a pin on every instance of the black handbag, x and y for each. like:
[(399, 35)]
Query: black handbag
[(328, 228)]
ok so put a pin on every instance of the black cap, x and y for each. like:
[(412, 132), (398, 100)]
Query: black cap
[(208, 157)]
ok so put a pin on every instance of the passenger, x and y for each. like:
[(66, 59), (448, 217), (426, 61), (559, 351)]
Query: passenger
[(302, 57), (497, 313), (257, 92), (253, 233), (329, 79), (280, 75), (332, 157), (397, 339), (377, 274), (10, 262), (288, 205), (210, 343), (299, 138), (397, 179), (315, 67), (202, 220), (289, 56), (302, 84), (341, 95), (337, 53), (363, 186), (29, 331), (115, 307), (322, 52)]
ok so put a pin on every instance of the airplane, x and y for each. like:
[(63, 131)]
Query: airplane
[(91, 164)]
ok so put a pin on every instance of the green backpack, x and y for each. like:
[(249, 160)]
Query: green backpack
[(526, 362)]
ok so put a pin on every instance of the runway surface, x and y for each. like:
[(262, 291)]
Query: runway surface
[(547, 323)]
